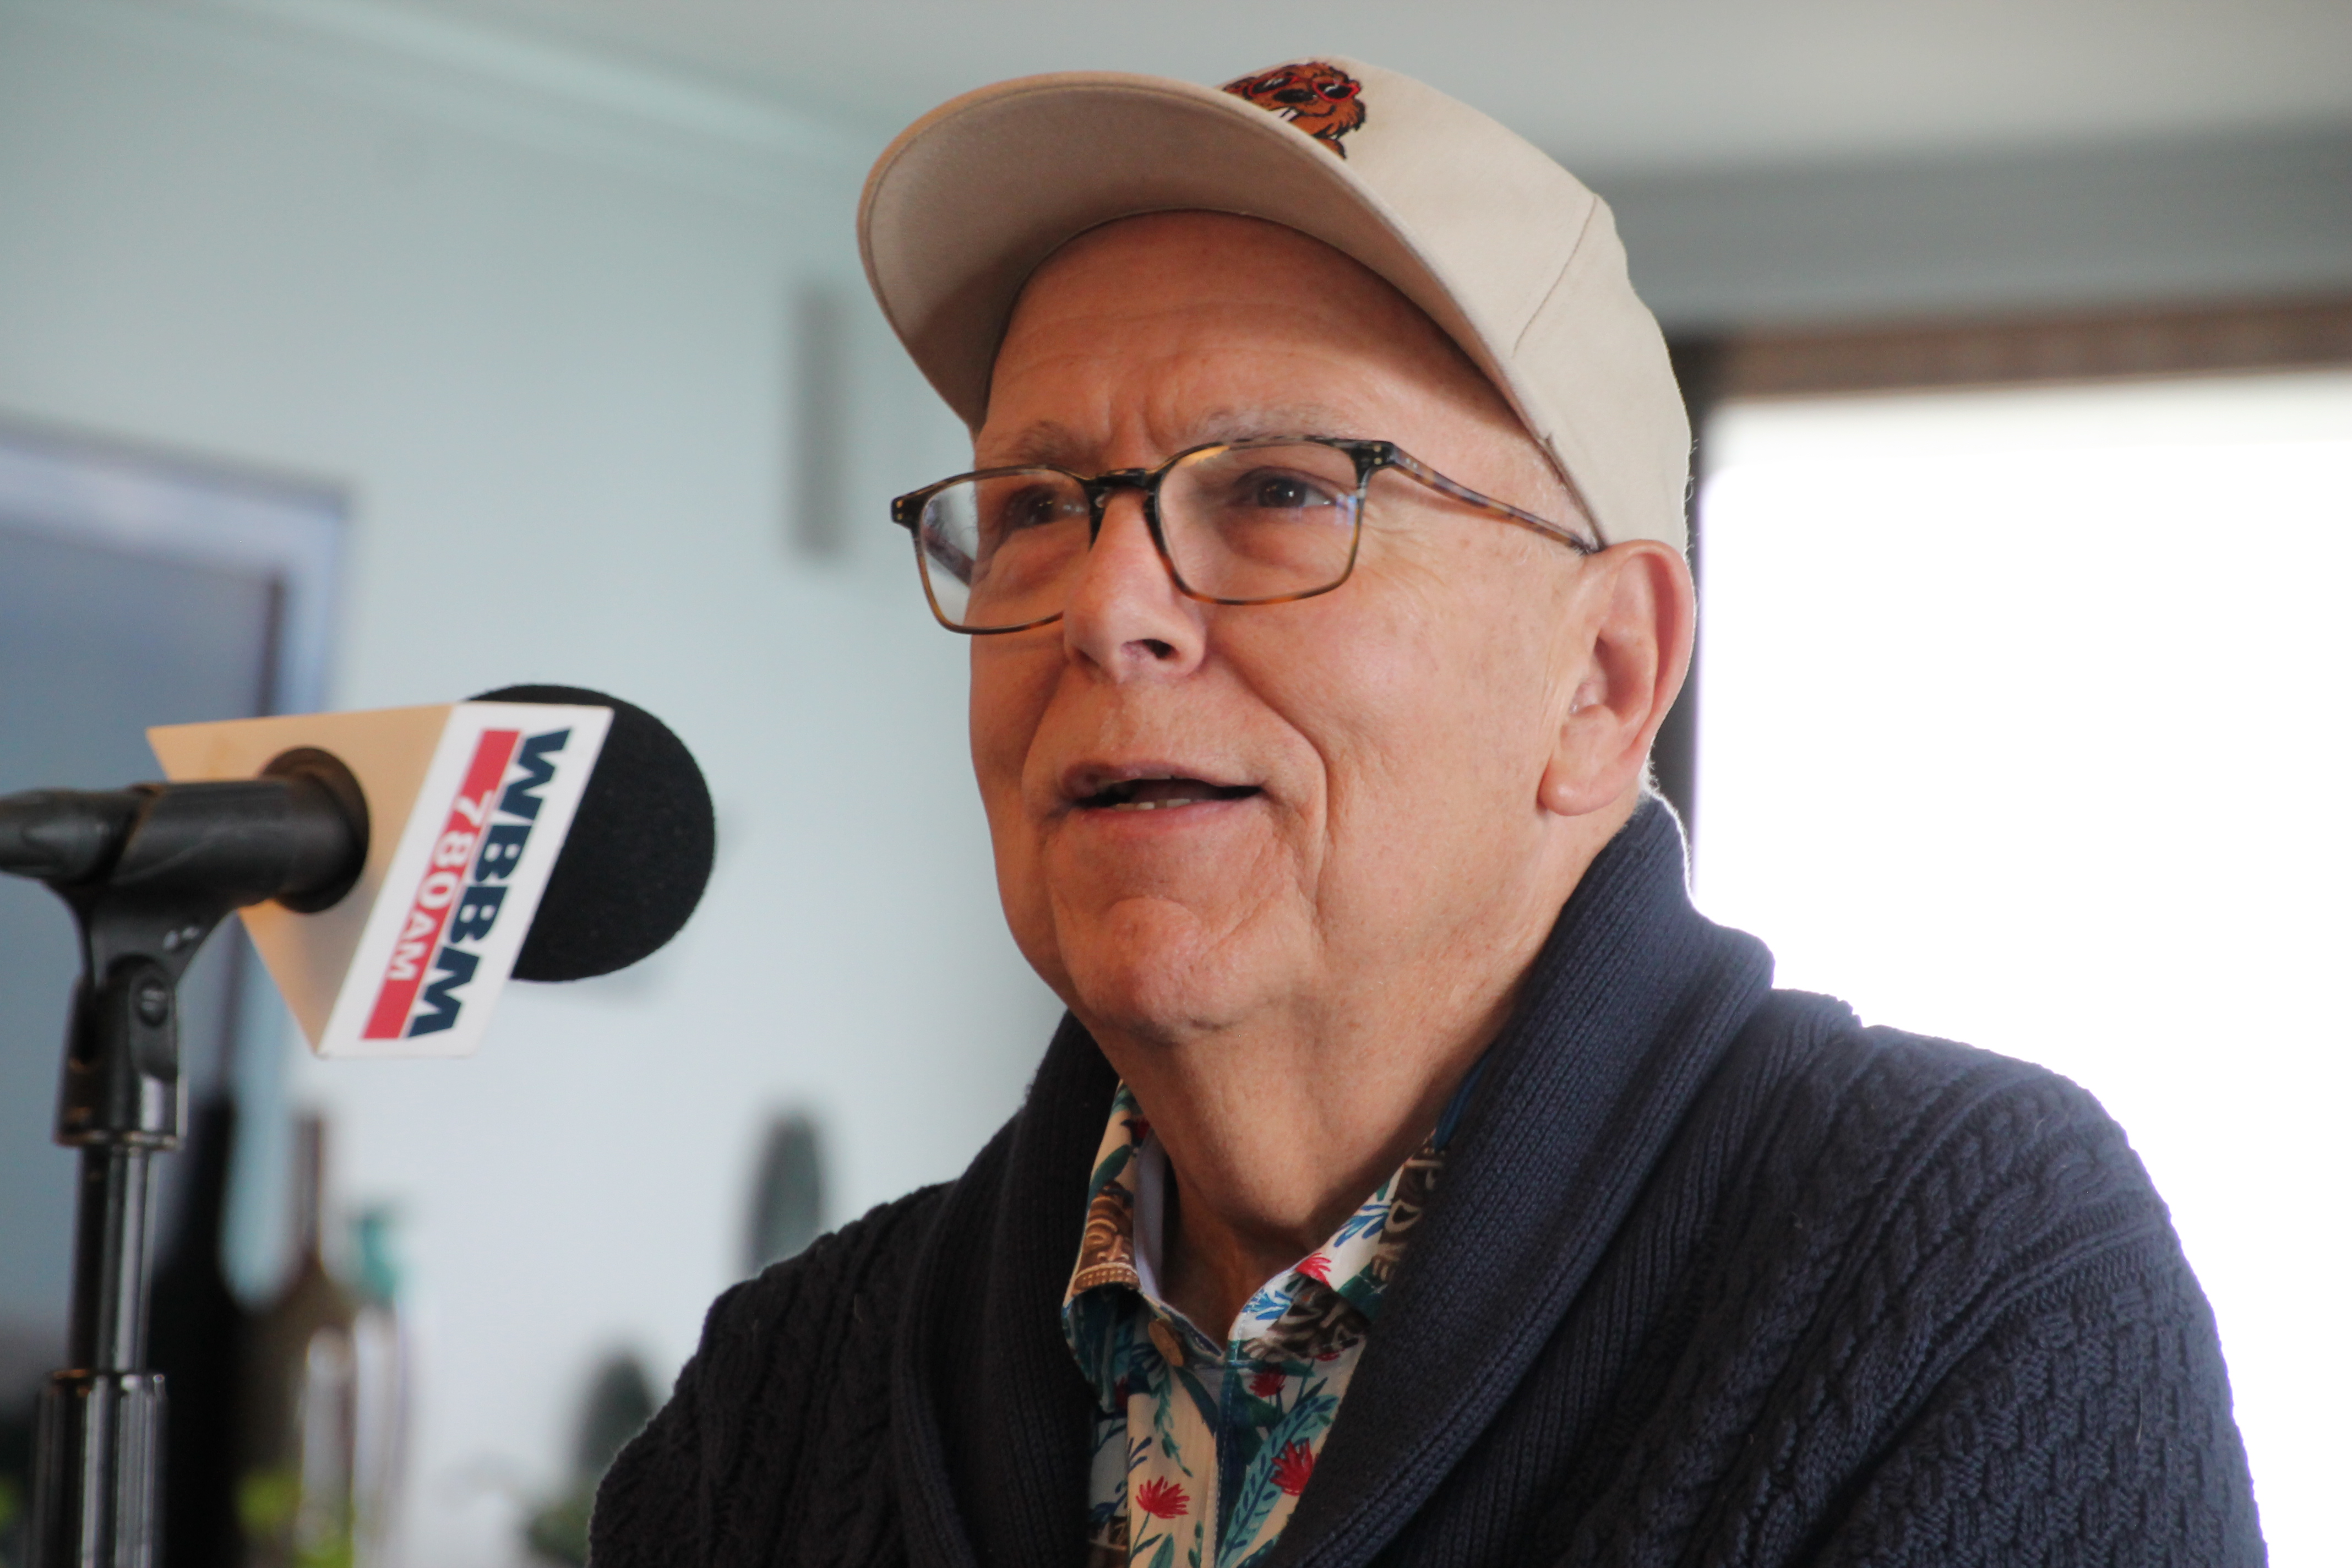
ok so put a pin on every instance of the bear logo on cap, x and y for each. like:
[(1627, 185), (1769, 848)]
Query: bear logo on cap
[(1321, 100)]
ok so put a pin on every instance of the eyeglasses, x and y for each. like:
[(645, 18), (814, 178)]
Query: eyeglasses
[(1241, 522)]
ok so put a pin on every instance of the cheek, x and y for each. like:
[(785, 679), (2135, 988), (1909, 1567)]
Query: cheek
[(1008, 696), (1428, 704)]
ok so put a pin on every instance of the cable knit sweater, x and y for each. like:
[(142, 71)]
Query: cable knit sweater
[(1716, 1275)]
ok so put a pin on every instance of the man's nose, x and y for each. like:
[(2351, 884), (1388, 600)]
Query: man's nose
[(1125, 614)]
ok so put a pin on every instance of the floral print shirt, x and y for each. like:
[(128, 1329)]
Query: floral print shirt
[(1201, 1445)]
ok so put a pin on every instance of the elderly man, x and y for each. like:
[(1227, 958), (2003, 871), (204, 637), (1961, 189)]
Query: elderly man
[(1417, 1178)]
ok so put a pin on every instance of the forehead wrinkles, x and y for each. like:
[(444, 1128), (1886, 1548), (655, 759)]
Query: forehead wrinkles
[(1146, 320)]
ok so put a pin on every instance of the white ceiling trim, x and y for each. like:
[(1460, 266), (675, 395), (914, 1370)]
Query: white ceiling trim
[(554, 95)]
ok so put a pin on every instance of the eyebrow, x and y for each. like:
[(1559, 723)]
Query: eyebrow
[(1049, 443)]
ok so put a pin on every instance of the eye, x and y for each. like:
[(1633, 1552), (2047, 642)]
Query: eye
[(1031, 506), (1338, 92), (1270, 489)]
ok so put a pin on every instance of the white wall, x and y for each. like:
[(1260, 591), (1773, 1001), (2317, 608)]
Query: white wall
[(534, 312)]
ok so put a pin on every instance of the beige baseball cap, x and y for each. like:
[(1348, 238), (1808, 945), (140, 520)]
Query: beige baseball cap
[(1505, 250)]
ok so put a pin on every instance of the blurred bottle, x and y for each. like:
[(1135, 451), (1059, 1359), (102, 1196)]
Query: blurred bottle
[(618, 1403), (16, 1475), (379, 1344), (196, 1337), (299, 1421), (787, 1208)]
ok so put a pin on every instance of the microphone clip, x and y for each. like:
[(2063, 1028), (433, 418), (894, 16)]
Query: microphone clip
[(150, 873)]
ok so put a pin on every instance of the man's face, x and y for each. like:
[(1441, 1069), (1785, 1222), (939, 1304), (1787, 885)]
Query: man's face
[(1362, 769)]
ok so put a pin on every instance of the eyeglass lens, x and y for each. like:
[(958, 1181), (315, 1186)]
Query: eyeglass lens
[(1246, 523)]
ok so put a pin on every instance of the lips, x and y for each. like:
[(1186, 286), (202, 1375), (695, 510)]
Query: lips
[(1148, 789)]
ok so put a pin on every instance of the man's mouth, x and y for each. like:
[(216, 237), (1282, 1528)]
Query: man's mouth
[(1160, 794)]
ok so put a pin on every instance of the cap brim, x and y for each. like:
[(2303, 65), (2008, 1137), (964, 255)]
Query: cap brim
[(969, 199)]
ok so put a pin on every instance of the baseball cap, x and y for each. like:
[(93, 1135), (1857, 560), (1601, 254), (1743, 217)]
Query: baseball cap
[(1507, 252)]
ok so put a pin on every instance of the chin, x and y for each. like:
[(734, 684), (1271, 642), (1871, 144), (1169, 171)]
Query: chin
[(1152, 969)]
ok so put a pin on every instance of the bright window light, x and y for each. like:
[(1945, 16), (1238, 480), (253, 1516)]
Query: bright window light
[(2024, 721)]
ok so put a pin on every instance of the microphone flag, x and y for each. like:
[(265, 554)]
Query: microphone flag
[(468, 805)]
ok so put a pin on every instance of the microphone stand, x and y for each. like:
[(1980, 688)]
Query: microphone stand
[(97, 1469), (149, 872)]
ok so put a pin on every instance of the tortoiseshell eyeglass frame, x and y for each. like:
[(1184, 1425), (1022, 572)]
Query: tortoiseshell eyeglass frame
[(1370, 458)]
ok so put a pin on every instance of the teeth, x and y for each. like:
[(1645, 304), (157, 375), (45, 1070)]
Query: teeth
[(1150, 804)]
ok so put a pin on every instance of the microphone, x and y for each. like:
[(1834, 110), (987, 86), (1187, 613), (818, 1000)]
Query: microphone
[(396, 868), (536, 832), (639, 853)]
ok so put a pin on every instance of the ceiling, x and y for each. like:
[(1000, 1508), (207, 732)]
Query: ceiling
[(1622, 89)]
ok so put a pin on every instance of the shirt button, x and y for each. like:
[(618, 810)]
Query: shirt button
[(1163, 1339)]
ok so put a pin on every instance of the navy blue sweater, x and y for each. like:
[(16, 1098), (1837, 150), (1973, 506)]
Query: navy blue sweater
[(1715, 1276)]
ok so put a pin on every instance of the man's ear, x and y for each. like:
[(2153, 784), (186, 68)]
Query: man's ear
[(1629, 649)]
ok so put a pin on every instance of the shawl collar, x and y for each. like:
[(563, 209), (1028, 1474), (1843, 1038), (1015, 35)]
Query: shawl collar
[(1632, 1002), (992, 1423)]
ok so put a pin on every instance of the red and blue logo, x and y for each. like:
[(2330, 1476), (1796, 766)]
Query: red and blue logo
[(465, 886)]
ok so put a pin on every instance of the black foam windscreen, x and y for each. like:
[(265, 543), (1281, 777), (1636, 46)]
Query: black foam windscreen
[(639, 852)]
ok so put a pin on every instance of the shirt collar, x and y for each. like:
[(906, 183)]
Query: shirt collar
[(1119, 1248)]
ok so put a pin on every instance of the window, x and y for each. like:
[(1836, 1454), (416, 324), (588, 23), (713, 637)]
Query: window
[(134, 591), (2025, 723)]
